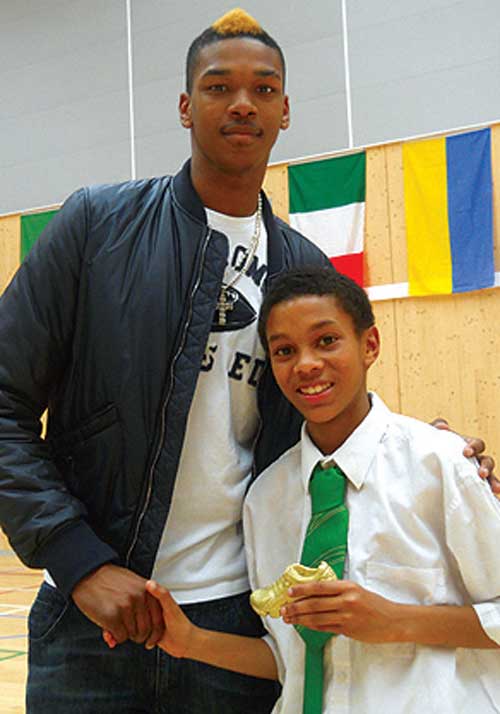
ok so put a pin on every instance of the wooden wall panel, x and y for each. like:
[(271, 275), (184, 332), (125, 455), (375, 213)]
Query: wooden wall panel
[(480, 351), (397, 223), (378, 258), (10, 248), (383, 376), (430, 367), (448, 356), (276, 188)]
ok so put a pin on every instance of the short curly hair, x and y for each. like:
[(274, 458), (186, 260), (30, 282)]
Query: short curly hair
[(315, 280)]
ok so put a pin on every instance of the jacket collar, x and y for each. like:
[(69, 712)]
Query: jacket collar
[(186, 196), (275, 242)]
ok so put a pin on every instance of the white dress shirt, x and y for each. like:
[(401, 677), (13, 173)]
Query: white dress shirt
[(424, 529)]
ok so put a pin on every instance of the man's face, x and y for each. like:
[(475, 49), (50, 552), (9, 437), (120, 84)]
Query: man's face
[(237, 105), (320, 362)]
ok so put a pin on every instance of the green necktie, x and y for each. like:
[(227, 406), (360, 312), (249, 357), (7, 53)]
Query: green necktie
[(326, 539)]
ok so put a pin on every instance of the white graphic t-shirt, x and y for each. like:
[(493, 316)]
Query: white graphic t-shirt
[(201, 555)]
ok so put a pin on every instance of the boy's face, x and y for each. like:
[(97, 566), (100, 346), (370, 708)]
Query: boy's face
[(320, 362), (237, 105)]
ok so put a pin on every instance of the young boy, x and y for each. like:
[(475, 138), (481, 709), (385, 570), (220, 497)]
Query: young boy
[(419, 605)]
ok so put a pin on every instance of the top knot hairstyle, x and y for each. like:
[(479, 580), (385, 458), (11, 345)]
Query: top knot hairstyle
[(234, 24)]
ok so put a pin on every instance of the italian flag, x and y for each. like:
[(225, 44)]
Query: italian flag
[(327, 205)]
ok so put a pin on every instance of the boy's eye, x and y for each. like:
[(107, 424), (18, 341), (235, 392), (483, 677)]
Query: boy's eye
[(265, 89), (282, 352), (327, 340)]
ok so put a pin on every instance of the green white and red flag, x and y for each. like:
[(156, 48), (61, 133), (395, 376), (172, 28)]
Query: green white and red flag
[(327, 204)]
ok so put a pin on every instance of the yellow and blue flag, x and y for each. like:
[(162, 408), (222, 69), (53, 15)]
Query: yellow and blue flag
[(449, 213)]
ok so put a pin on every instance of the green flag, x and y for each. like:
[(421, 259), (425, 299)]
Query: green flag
[(31, 227)]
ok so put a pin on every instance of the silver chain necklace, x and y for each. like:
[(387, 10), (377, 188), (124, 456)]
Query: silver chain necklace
[(227, 299)]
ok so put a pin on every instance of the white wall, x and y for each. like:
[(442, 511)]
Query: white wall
[(64, 109)]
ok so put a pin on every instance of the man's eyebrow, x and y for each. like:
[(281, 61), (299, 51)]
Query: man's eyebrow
[(214, 72), (221, 72), (267, 73)]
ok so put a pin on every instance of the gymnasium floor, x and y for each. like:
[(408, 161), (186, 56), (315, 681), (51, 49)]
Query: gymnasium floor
[(18, 587)]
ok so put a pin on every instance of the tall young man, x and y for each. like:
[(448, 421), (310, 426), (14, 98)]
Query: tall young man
[(133, 319)]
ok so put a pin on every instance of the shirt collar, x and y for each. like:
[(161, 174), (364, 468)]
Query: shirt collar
[(356, 453)]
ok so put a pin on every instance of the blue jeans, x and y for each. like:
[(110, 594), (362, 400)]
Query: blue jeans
[(72, 671)]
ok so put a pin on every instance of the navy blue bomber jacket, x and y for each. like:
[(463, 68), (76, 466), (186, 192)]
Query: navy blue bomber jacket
[(106, 323)]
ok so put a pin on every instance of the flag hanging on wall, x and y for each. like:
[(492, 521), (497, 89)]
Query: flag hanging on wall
[(449, 214), (327, 204), (32, 225)]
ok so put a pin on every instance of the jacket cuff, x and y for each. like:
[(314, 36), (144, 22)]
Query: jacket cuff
[(72, 553)]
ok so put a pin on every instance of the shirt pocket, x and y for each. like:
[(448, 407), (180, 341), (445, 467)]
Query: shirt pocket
[(404, 584)]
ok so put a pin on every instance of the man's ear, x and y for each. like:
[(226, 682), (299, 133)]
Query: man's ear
[(185, 110), (371, 345), (285, 120)]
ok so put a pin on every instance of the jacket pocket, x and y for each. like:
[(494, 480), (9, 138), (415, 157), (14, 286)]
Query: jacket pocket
[(90, 458)]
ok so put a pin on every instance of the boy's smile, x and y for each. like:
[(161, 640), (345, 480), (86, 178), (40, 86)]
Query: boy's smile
[(320, 362)]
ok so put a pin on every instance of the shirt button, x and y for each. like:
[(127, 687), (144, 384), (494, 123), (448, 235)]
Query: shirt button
[(342, 677)]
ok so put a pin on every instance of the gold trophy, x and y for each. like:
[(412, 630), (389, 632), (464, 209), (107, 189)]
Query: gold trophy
[(269, 600)]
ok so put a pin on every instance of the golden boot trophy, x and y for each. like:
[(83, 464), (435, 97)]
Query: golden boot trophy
[(269, 600)]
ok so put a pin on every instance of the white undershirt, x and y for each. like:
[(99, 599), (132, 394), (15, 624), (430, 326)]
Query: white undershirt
[(201, 555)]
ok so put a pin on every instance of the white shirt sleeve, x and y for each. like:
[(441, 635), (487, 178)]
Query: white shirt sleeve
[(472, 522), (250, 555)]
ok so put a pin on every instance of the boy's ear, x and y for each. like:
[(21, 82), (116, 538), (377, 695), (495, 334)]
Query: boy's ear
[(371, 345), (185, 110)]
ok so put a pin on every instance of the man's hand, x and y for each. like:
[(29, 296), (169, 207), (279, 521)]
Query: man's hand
[(475, 447), (345, 608), (116, 599)]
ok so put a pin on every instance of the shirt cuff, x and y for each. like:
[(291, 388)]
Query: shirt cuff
[(489, 617)]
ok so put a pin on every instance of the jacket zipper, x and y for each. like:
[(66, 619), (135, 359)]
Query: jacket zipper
[(254, 451), (256, 439), (165, 404)]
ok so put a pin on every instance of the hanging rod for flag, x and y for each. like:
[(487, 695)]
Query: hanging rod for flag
[(380, 144)]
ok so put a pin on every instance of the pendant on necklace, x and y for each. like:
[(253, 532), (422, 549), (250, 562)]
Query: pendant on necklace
[(225, 304)]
